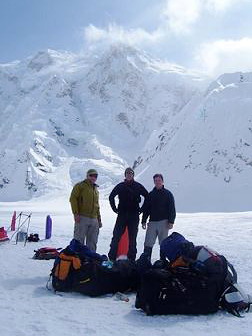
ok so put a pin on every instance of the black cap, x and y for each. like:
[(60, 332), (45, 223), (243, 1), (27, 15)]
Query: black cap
[(129, 170)]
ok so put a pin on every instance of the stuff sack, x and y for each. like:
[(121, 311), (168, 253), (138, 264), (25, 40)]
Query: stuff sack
[(46, 253), (182, 291), (99, 278)]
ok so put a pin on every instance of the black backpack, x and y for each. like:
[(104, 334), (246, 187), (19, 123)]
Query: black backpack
[(180, 291), (96, 278), (192, 289)]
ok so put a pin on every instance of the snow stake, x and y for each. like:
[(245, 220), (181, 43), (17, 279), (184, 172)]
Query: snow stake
[(13, 221)]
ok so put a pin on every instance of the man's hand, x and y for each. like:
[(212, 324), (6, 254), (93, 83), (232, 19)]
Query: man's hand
[(100, 224), (170, 225), (77, 219), (144, 226)]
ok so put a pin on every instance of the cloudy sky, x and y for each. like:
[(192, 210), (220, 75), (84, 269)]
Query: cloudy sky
[(214, 36)]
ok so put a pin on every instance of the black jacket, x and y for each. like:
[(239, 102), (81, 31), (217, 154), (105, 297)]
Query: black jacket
[(159, 205), (129, 194)]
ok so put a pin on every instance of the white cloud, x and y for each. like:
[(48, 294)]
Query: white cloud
[(178, 16), (178, 19), (225, 56), (114, 33), (221, 5), (182, 14)]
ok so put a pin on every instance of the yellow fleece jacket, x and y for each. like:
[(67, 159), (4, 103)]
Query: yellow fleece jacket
[(84, 200)]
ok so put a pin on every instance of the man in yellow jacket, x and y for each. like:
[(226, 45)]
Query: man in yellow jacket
[(84, 201)]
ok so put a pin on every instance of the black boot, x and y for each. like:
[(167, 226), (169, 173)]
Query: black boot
[(148, 251)]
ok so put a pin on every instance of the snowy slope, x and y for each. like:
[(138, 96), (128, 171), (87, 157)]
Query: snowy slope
[(63, 113), (206, 152), (29, 309)]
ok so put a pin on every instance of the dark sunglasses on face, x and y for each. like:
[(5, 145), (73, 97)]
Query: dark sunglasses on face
[(93, 175)]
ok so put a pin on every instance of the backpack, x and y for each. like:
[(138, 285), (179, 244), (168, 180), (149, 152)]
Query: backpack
[(63, 271), (191, 284), (46, 253), (96, 278), (209, 268), (68, 264), (179, 290)]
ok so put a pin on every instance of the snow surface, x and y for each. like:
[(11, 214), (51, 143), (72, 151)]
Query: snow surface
[(27, 308)]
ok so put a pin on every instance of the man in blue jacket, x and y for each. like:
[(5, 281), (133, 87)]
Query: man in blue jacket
[(129, 193), (160, 207)]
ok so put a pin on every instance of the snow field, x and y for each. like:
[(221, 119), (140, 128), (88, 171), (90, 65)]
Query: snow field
[(28, 308)]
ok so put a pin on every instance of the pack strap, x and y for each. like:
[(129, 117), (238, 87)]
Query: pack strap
[(231, 276), (50, 288), (49, 281)]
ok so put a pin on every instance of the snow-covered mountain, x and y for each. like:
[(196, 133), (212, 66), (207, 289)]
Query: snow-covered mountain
[(61, 114), (206, 152)]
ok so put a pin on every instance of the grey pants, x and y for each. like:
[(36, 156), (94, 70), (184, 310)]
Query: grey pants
[(156, 229), (87, 232)]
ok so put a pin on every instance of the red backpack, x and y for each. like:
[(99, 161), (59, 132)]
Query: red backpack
[(46, 253)]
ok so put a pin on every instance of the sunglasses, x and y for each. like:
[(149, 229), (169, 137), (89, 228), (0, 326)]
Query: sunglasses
[(93, 175)]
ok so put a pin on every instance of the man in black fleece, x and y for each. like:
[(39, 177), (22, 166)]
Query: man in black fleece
[(129, 193), (160, 206)]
